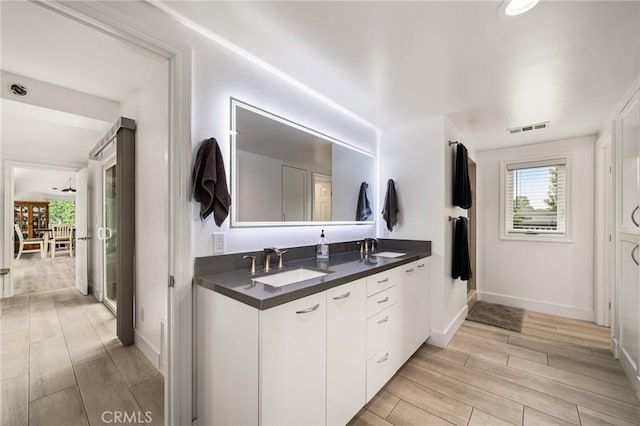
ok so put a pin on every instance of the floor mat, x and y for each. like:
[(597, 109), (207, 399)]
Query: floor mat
[(497, 315)]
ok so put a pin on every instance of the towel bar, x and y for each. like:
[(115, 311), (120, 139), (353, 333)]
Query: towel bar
[(453, 143)]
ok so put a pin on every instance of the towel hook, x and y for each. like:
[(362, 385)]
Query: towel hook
[(453, 143)]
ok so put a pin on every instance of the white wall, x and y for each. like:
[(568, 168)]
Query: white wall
[(149, 108), (349, 169), (552, 277), (418, 158)]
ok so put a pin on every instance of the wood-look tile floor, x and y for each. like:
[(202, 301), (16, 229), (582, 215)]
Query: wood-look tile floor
[(558, 371), (31, 273), (61, 364)]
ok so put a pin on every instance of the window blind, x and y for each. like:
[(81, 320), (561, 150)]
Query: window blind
[(536, 195)]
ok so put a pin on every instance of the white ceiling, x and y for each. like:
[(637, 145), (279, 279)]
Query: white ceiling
[(394, 62), (40, 182), (39, 44)]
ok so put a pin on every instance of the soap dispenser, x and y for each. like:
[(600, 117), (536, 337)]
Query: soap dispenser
[(322, 249)]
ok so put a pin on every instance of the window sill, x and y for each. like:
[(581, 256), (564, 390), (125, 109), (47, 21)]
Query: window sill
[(537, 238)]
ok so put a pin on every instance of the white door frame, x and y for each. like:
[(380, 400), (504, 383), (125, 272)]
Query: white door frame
[(8, 182), (603, 267), (179, 363)]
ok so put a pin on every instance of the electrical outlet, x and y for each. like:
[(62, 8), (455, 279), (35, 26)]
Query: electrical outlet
[(141, 314), (385, 232), (218, 242)]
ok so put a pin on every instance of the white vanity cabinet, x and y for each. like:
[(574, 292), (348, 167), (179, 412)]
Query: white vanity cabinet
[(626, 312), (416, 318), (293, 341), (316, 360), (346, 351)]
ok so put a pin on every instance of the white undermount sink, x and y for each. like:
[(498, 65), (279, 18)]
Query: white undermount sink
[(388, 254), (289, 277)]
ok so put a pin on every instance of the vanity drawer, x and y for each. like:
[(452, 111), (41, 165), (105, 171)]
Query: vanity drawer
[(382, 300), (379, 371), (381, 329), (383, 280)]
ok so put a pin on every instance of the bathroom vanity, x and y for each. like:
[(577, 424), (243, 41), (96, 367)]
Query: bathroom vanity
[(310, 352)]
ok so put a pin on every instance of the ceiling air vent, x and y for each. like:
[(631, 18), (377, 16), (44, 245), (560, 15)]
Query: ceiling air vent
[(528, 127)]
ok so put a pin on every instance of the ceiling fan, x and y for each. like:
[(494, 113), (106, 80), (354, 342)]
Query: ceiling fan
[(66, 188)]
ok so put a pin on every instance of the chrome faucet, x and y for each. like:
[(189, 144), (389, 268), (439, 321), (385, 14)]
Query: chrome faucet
[(267, 257)]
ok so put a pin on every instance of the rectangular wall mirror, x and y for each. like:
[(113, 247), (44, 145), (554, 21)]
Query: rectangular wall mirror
[(286, 174)]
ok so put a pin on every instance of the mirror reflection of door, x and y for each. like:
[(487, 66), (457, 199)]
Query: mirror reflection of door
[(108, 237), (294, 194), (321, 198)]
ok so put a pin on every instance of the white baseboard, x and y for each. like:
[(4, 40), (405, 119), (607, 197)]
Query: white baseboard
[(149, 351), (442, 338), (538, 306), (630, 371)]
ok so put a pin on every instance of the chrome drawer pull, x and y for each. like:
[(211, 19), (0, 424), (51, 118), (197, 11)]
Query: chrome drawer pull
[(633, 255), (421, 265), (344, 296), (383, 281), (383, 320), (633, 216), (409, 270), (385, 300), (311, 309), (384, 358)]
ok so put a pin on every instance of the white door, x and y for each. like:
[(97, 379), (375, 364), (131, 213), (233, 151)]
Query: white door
[(81, 231), (294, 194), (321, 198)]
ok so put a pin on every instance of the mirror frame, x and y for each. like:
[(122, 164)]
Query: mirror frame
[(236, 103)]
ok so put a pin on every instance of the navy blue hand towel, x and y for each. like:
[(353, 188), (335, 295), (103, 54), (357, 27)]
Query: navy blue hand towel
[(390, 211), (210, 182), (363, 209), (461, 262), (461, 183)]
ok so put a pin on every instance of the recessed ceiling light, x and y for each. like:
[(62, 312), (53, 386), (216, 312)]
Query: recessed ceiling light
[(513, 8)]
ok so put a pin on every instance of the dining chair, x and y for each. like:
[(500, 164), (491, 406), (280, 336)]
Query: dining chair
[(30, 241), (62, 240)]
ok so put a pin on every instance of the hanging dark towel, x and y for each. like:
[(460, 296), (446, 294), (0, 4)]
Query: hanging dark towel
[(363, 209), (390, 211), (461, 183), (210, 182), (461, 263)]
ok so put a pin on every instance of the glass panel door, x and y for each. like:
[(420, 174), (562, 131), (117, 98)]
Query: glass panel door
[(108, 237)]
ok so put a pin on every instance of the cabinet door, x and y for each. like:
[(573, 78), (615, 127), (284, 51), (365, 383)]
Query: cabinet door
[(629, 157), (293, 362), (630, 302), (346, 351), (416, 317)]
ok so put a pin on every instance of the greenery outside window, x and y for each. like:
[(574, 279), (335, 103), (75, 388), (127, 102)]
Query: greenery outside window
[(535, 200), (62, 211)]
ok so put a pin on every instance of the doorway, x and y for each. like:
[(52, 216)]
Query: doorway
[(472, 216)]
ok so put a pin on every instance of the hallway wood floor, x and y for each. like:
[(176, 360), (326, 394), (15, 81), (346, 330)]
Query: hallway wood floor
[(61, 364), (558, 371), (28, 273)]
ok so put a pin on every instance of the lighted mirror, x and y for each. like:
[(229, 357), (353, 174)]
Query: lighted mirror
[(284, 173)]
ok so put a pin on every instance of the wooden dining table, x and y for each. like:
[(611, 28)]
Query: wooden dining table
[(47, 234)]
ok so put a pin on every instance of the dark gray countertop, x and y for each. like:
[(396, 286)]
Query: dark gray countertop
[(344, 267)]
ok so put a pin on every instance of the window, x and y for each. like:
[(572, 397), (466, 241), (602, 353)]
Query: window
[(535, 200)]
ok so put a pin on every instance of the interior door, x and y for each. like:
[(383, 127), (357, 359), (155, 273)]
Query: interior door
[(81, 231), (322, 198), (108, 237)]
